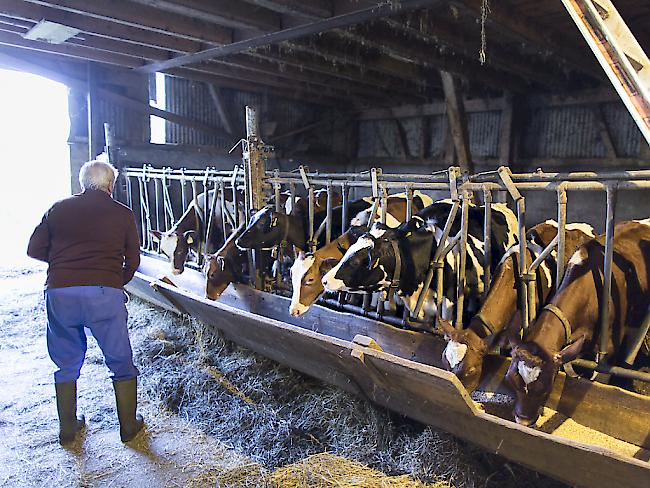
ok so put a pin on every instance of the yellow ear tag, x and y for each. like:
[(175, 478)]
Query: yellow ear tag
[(376, 264), (408, 233), (190, 240), (275, 222)]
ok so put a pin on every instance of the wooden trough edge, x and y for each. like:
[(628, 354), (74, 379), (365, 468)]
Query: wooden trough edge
[(421, 391)]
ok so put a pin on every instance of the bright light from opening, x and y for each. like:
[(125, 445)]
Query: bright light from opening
[(158, 124), (34, 156)]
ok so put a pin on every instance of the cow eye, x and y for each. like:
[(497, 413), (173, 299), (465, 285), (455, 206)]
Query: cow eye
[(310, 281)]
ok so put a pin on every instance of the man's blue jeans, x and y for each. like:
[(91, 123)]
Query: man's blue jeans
[(102, 310)]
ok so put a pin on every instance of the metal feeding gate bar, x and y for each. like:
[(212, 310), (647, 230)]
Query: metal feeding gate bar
[(149, 193)]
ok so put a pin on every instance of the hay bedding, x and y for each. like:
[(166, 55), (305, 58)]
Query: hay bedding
[(279, 418)]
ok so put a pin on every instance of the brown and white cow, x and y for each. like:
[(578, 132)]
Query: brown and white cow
[(309, 268), (499, 313), (568, 326), (188, 232), (301, 204), (225, 266)]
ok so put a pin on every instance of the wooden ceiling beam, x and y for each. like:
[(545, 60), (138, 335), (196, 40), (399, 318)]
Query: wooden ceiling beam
[(340, 55), (22, 10), (505, 20), (308, 9), (344, 20), (143, 17), (472, 70), (219, 73), (221, 12), (439, 33), (339, 72)]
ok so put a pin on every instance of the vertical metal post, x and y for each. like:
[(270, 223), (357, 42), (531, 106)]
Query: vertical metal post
[(156, 183), (384, 204), (292, 196), (328, 225), (183, 183), (344, 209), (210, 219), (278, 209), (561, 233), (311, 244), (504, 174), (235, 197), (607, 272), (222, 202), (487, 241), (409, 202), (129, 193), (464, 223)]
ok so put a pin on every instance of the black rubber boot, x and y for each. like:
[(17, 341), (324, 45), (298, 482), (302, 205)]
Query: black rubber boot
[(66, 406), (126, 398)]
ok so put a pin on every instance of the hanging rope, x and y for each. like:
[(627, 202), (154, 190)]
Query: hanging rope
[(485, 10)]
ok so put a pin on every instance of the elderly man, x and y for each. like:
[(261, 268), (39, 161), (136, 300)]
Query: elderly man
[(91, 245)]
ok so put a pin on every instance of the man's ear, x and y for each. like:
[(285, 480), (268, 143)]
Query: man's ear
[(326, 265), (156, 235), (570, 352), (189, 237)]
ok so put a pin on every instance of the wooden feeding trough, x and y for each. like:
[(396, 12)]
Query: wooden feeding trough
[(590, 435)]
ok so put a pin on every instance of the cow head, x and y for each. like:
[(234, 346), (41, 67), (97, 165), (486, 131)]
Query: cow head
[(531, 376), (266, 229), (367, 265), (306, 275), (464, 354), (219, 272), (176, 247)]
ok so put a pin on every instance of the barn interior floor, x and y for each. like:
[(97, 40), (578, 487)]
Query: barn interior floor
[(207, 437)]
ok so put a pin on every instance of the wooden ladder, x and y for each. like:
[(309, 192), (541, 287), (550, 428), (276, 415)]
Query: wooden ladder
[(619, 54)]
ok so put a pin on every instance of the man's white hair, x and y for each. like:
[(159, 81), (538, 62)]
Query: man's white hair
[(97, 175)]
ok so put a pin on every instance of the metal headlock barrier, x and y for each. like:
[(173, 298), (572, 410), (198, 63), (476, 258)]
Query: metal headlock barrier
[(150, 194), (159, 197)]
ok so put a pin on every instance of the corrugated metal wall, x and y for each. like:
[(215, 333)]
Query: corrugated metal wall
[(551, 132), (192, 99)]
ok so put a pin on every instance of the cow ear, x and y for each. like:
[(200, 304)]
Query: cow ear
[(156, 235), (570, 352), (326, 265), (447, 328), (189, 236)]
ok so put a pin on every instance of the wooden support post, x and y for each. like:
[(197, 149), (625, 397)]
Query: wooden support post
[(505, 131), (402, 139), (217, 99), (448, 149), (603, 130), (457, 121)]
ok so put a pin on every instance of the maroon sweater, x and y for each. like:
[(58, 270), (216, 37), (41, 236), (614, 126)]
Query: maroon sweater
[(88, 239)]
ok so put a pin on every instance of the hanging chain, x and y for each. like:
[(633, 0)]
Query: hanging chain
[(485, 10)]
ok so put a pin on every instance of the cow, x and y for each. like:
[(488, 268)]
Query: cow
[(225, 266), (268, 228), (467, 348), (568, 326), (188, 232), (308, 269), (301, 204), (372, 263)]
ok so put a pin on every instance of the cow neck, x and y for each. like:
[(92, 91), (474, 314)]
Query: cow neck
[(413, 275), (295, 230), (397, 271), (483, 327)]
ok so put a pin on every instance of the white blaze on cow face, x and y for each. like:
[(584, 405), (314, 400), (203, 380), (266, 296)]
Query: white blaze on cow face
[(298, 270), (168, 243), (455, 352), (330, 282), (528, 373)]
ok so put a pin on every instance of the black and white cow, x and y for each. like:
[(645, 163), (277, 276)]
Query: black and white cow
[(371, 263), (268, 228)]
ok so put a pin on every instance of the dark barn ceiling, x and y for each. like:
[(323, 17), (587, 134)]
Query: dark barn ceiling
[(346, 53)]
